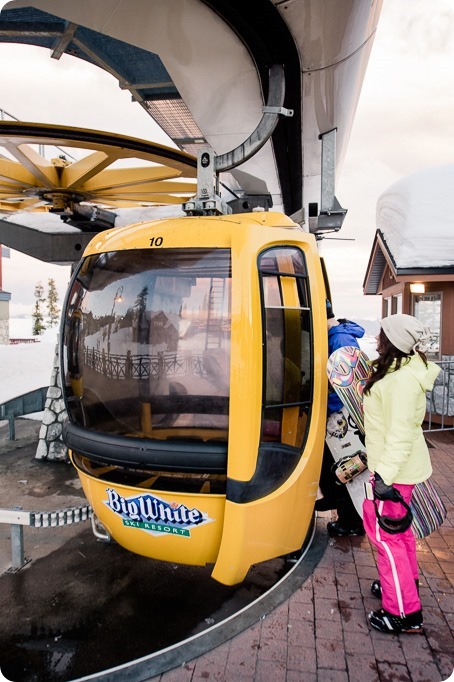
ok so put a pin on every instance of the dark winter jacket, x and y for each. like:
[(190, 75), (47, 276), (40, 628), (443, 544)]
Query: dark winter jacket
[(344, 334)]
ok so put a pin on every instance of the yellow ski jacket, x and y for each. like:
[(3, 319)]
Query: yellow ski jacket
[(393, 413)]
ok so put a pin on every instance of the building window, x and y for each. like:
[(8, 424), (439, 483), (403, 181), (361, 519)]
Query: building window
[(386, 307), (427, 309), (396, 304)]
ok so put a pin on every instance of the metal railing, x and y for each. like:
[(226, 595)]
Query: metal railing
[(129, 366), (29, 403), (17, 518), (440, 401)]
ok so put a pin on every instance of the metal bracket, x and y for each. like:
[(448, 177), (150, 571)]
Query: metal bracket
[(331, 215), (207, 201), (99, 531), (278, 110)]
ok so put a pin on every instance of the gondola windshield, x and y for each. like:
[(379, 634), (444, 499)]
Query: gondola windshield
[(147, 341)]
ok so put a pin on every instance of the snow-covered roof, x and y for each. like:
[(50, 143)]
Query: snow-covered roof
[(415, 218)]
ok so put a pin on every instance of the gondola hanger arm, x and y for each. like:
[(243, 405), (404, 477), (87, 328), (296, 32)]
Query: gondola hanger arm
[(209, 166)]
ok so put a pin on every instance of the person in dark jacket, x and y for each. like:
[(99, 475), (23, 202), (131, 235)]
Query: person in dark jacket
[(341, 333)]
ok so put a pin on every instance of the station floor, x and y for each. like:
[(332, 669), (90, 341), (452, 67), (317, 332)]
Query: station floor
[(320, 632)]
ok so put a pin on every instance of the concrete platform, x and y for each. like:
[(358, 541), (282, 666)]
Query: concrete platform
[(319, 632)]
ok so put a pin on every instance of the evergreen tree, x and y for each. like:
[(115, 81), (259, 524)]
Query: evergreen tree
[(53, 310), (38, 317), (140, 307)]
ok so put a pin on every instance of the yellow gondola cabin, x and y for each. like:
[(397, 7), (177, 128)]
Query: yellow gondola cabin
[(193, 355)]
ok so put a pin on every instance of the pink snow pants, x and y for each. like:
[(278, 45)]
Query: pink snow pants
[(397, 565)]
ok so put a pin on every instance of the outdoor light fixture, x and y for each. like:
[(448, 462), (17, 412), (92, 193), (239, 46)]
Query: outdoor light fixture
[(417, 288)]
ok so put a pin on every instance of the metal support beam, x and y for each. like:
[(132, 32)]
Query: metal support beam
[(126, 85), (328, 170), (331, 215), (51, 247), (97, 59), (17, 547), (64, 41)]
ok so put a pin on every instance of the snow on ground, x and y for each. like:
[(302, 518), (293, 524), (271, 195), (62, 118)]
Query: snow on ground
[(368, 345), (26, 366)]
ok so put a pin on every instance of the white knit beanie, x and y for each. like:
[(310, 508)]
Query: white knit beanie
[(406, 333)]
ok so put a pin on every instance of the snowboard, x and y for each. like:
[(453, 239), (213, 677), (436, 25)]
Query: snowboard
[(343, 439), (348, 370)]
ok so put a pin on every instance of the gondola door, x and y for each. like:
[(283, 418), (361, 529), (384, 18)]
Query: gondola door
[(279, 334)]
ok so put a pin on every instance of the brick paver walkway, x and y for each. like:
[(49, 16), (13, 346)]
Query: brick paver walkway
[(321, 633)]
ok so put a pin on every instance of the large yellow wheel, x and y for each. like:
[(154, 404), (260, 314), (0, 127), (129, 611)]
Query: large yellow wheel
[(91, 173)]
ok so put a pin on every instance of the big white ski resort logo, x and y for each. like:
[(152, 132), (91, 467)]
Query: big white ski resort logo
[(154, 515)]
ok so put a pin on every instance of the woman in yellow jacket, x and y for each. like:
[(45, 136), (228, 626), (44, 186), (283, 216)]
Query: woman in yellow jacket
[(398, 458)]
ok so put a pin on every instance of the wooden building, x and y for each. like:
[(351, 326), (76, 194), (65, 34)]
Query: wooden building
[(425, 292)]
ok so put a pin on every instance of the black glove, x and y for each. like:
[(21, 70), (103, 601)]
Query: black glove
[(385, 492)]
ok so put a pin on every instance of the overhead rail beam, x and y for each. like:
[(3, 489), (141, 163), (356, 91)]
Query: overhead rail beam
[(209, 166), (273, 110), (50, 247)]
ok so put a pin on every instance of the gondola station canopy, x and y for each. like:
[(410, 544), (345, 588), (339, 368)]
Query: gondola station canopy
[(269, 89)]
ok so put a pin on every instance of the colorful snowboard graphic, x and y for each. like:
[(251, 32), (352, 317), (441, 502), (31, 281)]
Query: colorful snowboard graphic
[(342, 438), (348, 370)]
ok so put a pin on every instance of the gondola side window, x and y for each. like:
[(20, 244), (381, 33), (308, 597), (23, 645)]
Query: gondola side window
[(287, 344)]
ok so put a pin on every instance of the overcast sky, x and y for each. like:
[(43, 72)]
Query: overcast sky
[(403, 124)]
